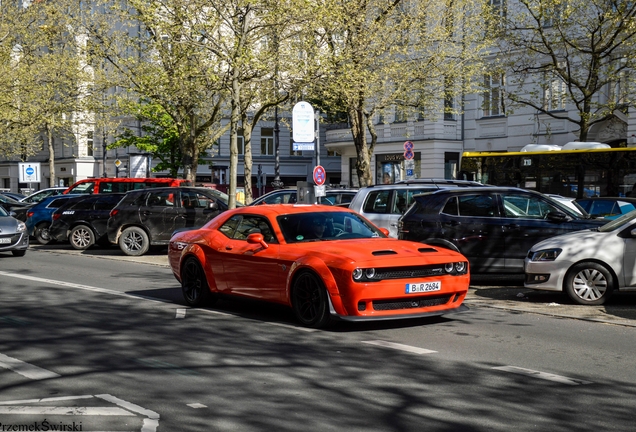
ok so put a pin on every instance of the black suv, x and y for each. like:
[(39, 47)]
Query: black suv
[(494, 227), (82, 221), (149, 216)]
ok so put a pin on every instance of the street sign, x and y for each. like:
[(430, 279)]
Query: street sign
[(117, 163), (29, 172), (303, 123), (408, 150), (297, 146), (320, 176)]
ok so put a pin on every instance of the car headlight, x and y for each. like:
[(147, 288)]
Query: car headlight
[(545, 255), (455, 267), (21, 227), (364, 275)]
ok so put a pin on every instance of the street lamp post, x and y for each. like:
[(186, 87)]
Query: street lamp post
[(277, 183)]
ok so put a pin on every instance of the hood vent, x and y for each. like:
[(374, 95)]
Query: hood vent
[(384, 252), (427, 250)]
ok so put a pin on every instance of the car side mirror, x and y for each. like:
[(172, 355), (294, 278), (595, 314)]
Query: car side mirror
[(385, 231), (213, 205), (557, 216), (257, 238), (633, 232)]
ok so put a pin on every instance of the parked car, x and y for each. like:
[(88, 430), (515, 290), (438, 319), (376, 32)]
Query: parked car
[(607, 207), (570, 202), (82, 222), (11, 205), (149, 216), (14, 237), (16, 196), (43, 193), (122, 184), (333, 196), (324, 262), (384, 204), (39, 216), (494, 227), (587, 265)]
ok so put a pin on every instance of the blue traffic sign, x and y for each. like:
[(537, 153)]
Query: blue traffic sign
[(30, 171), (320, 176)]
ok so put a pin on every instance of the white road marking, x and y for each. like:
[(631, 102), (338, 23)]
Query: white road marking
[(401, 347), (542, 375), (150, 423), (25, 369), (197, 405), (305, 329), (181, 313), (62, 410)]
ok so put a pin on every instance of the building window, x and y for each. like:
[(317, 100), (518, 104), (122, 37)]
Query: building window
[(240, 141), (493, 104), (554, 95), (267, 141), (400, 115), (89, 143), (449, 100)]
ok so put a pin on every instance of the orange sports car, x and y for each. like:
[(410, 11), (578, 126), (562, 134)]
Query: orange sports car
[(325, 262)]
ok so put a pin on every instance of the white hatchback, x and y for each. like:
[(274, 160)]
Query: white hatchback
[(588, 265)]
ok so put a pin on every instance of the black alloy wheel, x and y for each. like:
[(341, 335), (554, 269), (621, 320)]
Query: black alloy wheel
[(194, 286), (310, 301), (41, 233), (134, 241)]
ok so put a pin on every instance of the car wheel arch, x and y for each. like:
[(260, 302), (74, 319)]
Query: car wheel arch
[(196, 252), (319, 269), (615, 282)]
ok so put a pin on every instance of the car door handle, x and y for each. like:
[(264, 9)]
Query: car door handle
[(513, 226), (228, 247)]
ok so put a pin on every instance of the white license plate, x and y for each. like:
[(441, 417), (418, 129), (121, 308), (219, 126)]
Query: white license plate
[(5, 240), (421, 287)]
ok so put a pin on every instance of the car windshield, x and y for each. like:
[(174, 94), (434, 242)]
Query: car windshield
[(8, 200), (3, 212), (619, 222), (332, 226)]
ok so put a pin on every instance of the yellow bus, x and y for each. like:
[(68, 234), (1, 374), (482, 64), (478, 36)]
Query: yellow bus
[(574, 173)]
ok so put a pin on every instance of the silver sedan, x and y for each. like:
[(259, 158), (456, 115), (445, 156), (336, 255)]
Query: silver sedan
[(14, 236)]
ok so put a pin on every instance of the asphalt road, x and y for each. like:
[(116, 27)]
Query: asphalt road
[(502, 292), (109, 343)]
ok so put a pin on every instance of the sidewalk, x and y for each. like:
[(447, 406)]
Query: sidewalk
[(499, 293)]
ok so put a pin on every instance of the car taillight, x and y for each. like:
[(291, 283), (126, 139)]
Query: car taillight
[(113, 212), (30, 214), (56, 216)]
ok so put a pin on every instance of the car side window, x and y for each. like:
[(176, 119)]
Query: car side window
[(229, 227), (160, 199), (451, 207), (377, 202), (254, 224), (526, 206), (86, 204), (192, 199), (480, 205)]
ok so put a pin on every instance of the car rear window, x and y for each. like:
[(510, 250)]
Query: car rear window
[(377, 202)]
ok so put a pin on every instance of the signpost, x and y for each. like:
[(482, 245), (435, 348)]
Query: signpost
[(29, 173), (409, 163), (320, 176)]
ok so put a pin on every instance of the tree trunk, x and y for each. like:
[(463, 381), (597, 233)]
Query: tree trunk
[(234, 120), (358, 131), (49, 137), (247, 160)]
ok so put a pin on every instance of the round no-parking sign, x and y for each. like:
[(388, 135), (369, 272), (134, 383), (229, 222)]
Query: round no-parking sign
[(320, 175)]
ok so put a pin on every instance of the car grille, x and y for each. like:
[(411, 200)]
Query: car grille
[(411, 303), (14, 239), (409, 272)]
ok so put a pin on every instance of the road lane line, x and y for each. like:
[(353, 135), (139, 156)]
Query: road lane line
[(181, 313), (542, 375), (25, 369), (401, 347), (196, 405)]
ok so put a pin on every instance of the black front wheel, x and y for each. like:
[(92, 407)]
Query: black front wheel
[(194, 285), (41, 233), (310, 301), (134, 241)]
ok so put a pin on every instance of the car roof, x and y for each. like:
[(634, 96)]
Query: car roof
[(285, 209), (624, 199)]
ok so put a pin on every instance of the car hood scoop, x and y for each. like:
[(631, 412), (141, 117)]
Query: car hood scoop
[(383, 252)]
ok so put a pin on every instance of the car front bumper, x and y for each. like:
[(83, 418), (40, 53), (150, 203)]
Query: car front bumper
[(19, 241), (545, 275)]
